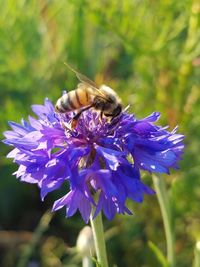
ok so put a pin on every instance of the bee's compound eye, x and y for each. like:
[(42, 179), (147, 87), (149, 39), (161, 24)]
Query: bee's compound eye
[(117, 111)]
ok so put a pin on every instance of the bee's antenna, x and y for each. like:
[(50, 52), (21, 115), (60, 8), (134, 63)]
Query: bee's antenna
[(127, 107)]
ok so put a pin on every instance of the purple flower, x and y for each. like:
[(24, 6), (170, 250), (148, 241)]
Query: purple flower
[(100, 160)]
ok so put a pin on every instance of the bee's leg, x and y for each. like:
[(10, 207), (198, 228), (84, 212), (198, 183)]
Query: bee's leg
[(101, 115), (76, 117), (113, 117)]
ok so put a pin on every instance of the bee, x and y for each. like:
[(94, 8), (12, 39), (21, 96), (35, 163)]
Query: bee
[(87, 95)]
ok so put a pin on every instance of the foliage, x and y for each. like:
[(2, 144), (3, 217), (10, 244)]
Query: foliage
[(149, 52)]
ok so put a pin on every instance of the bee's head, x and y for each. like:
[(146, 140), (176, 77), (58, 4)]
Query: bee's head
[(117, 110)]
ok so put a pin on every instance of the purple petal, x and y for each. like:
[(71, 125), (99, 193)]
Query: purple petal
[(49, 186), (112, 157)]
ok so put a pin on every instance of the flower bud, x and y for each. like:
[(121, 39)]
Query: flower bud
[(85, 242)]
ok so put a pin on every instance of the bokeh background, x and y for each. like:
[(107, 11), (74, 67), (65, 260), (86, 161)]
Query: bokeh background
[(149, 52)]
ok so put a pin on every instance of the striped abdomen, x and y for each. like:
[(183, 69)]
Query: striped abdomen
[(74, 99)]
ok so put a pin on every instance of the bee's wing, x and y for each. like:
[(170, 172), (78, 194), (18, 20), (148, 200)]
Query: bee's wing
[(84, 79)]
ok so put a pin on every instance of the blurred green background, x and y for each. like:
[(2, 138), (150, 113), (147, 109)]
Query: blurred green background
[(149, 52)]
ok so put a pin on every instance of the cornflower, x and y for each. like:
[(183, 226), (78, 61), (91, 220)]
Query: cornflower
[(100, 160)]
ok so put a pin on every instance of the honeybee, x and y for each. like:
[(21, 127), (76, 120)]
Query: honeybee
[(87, 95)]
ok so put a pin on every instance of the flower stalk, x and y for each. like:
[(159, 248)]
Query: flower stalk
[(164, 203), (99, 240)]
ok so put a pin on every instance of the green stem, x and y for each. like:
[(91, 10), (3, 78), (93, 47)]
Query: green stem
[(41, 228), (197, 255), (99, 240), (164, 203), (186, 64)]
